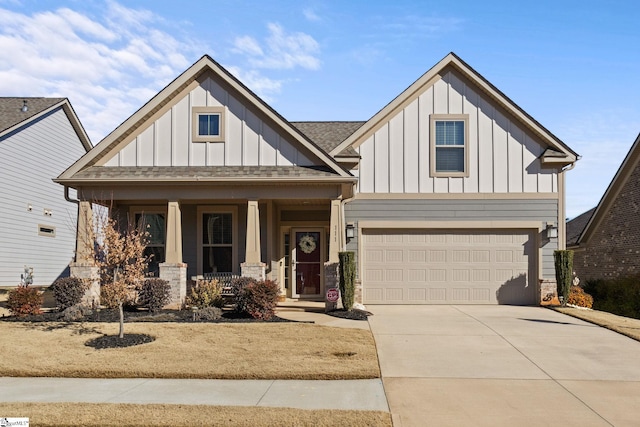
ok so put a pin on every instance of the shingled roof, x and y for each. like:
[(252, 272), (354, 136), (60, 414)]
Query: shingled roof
[(577, 225), (328, 135), (11, 112), (202, 173)]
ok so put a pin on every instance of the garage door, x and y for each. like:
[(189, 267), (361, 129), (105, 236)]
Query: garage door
[(444, 267)]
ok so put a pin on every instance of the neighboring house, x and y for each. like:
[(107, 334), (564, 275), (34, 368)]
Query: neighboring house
[(608, 243), (39, 139), (450, 194)]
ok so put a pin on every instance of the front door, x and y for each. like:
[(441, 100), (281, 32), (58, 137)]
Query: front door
[(306, 263)]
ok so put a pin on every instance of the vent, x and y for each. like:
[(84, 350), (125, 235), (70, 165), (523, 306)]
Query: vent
[(46, 230)]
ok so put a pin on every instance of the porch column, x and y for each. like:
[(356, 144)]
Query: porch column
[(331, 273), (84, 267), (173, 246), (173, 269), (253, 265)]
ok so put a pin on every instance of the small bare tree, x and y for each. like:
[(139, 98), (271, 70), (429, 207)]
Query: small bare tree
[(119, 254)]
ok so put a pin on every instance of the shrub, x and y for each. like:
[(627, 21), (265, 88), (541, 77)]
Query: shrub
[(24, 300), (347, 279), (68, 291), (154, 294), (75, 313), (237, 289), (619, 296), (577, 296), (259, 299), (206, 293), (563, 261), (209, 313)]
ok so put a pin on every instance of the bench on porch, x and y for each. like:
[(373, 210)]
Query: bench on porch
[(224, 279)]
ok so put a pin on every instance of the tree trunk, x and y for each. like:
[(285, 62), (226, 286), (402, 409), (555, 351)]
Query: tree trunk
[(121, 333)]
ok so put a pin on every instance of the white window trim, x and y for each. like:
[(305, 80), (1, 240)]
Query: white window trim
[(433, 118), (195, 112), (234, 231)]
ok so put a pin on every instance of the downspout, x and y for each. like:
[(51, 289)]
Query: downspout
[(77, 202)]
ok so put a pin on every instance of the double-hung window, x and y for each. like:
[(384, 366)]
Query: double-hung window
[(218, 240), (208, 124), (449, 148)]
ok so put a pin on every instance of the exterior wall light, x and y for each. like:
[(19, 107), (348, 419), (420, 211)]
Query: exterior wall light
[(350, 231), (551, 230)]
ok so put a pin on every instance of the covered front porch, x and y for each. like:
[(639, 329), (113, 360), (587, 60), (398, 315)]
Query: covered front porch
[(291, 234)]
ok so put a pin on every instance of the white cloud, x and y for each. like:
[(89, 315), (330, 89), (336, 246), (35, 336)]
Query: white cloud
[(311, 15), (258, 83), (282, 51), (108, 66)]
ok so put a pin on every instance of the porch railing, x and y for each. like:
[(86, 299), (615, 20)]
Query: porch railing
[(224, 279)]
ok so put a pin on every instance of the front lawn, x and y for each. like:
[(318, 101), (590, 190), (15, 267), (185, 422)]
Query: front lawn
[(190, 350)]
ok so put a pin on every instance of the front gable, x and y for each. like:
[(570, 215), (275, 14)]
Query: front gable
[(505, 150), (162, 133), (247, 137)]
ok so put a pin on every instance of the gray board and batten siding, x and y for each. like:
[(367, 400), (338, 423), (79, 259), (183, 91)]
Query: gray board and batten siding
[(398, 211), (30, 157)]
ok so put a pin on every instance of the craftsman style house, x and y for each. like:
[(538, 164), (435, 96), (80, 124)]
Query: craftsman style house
[(39, 139), (449, 194)]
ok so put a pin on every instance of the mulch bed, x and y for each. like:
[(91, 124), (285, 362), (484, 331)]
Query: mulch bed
[(141, 315), (354, 314), (114, 341)]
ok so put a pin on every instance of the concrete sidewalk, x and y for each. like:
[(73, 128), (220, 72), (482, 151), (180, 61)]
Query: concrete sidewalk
[(365, 395)]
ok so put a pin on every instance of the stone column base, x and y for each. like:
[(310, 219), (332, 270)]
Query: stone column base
[(254, 270), (331, 280), (89, 273), (176, 275), (548, 292)]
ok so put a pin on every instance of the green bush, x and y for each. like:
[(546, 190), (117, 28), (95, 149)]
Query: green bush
[(259, 299), (347, 279), (154, 294), (577, 296), (68, 291), (24, 300), (205, 293), (563, 261), (618, 296)]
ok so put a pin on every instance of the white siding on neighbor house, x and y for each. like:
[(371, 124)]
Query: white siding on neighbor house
[(503, 157), (30, 158), (248, 141)]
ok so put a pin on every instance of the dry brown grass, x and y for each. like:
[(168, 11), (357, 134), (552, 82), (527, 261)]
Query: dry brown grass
[(623, 325), (186, 350), (123, 415)]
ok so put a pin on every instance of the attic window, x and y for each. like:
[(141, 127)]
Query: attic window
[(208, 124), (449, 148)]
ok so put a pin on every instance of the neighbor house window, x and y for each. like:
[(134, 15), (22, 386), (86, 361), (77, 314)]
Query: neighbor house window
[(155, 225), (218, 239), (208, 124), (449, 152)]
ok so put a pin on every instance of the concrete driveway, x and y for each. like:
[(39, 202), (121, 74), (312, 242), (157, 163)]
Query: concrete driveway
[(504, 366)]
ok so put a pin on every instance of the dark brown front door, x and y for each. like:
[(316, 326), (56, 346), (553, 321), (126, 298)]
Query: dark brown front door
[(307, 263)]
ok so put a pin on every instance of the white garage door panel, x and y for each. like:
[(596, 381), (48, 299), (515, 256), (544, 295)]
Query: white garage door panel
[(431, 267)]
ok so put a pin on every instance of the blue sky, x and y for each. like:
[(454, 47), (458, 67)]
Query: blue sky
[(573, 65)]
